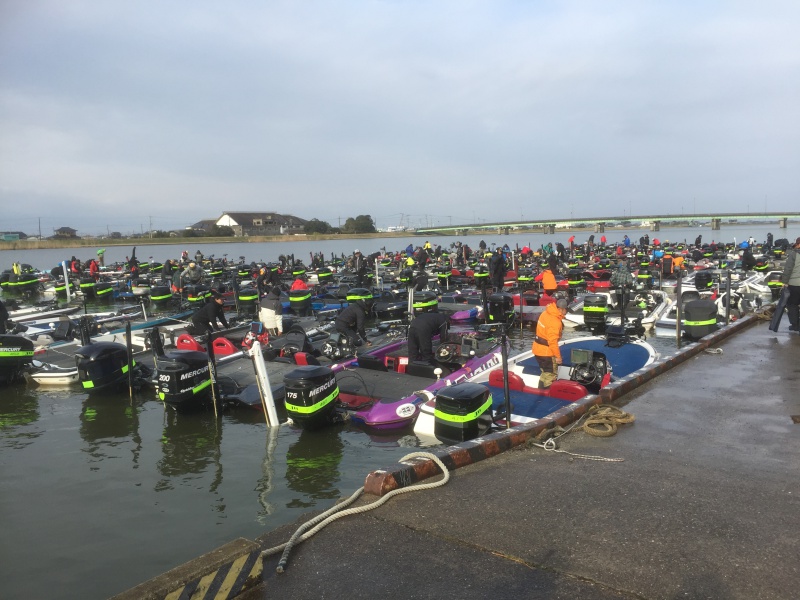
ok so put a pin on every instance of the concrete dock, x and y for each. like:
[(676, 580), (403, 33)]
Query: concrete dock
[(704, 504)]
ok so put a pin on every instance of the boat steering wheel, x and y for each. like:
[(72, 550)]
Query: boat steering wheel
[(585, 374), (447, 352)]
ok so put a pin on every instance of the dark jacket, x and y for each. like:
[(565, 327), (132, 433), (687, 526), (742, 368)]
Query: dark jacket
[(272, 302), (352, 318), (420, 335), (208, 315)]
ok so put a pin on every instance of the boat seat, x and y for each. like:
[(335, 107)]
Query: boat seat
[(374, 363), (425, 370), (515, 381)]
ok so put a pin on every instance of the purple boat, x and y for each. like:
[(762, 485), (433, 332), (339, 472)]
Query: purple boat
[(383, 390)]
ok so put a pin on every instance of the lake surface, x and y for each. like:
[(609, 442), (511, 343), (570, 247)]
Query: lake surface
[(100, 494)]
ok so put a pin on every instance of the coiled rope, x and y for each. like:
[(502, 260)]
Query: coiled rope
[(329, 516)]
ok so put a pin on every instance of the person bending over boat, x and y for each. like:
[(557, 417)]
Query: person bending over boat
[(427, 322), (545, 346), (791, 278), (271, 311), (193, 274), (350, 322), (205, 319)]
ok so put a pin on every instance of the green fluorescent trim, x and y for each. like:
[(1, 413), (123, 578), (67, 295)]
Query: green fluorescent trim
[(463, 418), (314, 407)]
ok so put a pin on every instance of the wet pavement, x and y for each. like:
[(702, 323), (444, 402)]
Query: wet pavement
[(706, 503)]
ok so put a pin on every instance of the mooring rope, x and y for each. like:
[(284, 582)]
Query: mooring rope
[(329, 516)]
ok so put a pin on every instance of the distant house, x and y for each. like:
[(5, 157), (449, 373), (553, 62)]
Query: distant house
[(13, 235), (66, 233), (251, 223), (204, 225)]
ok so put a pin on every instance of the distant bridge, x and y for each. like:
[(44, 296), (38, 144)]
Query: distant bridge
[(600, 223)]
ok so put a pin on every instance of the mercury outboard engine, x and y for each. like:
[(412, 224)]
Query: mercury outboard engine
[(183, 377), (595, 311), (700, 318), (500, 308), (300, 302), (310, 396), (160, 294), (16, 353), (102, 366), (703, 280), (463, 412)]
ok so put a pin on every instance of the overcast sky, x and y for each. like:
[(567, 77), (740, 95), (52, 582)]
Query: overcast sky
[(121, 114)]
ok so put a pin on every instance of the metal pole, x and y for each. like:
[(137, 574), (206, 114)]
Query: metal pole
[(212, 373), (728, 299), (678, 313), (128, 344), (66, 278), (506, 394)]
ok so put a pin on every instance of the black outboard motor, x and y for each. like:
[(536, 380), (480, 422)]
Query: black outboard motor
[(324, 276), (463, 412), (16, 353), (103, 290), (88, 287), (184, 379), (595, 311), (576, 282), (160, 294), (300, 302), (102, 366), (310, 396), (500, 308), (700, 318), (703, 280)]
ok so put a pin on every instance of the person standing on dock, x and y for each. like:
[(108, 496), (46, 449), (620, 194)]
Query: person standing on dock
[(3, 317), (545, 346), (791, 278)]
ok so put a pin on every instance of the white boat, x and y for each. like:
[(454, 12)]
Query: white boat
[(49, 374), (605, 361), (648, 305)]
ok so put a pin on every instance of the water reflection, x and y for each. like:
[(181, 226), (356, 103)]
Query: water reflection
[(190, 445), (312, 466), (108, 422), (266, 482), (19, 410)]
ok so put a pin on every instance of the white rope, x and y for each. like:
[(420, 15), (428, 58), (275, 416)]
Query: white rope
[(713, 350), (550, 446), (336, 512)]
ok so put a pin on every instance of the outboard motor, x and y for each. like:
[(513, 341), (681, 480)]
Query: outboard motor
[(595, 312), (300, 302), (703, 280), (576, 281), (88, 287), (103, 290), (463, 412), (324, 276), (102, 366), (184, 378), (16, 353), (160, 294), (60, 288), (775, 284), (700, 318), (310, 396), (247, 295), (500, 308)]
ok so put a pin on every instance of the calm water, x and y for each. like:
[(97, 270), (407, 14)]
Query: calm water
[(98, 495)]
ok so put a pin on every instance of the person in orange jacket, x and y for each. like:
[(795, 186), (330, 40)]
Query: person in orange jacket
[(545, 345), (299, 284)]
